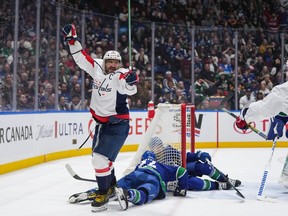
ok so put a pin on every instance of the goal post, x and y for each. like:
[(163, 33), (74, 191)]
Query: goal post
[(172, 128)]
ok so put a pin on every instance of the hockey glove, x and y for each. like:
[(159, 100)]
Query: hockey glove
[(69, 33), (180, 192), (203, 156), (240, 121), (132, 78), (277, 124)]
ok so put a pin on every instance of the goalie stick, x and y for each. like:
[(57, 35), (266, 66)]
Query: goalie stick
[(75, 176), (260, 195), (227, 180)]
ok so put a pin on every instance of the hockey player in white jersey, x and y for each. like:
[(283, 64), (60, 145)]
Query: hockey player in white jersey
[(109, 108), (275, 107)]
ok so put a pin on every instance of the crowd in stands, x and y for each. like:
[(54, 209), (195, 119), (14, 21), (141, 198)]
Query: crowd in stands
[(259, 25)]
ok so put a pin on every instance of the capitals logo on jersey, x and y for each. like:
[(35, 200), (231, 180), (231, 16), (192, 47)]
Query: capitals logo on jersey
[(102, 87)]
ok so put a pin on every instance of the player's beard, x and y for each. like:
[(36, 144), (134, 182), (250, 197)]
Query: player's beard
[(111, 69)]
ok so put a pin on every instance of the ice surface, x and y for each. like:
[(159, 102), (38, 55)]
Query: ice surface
[(43, 190)]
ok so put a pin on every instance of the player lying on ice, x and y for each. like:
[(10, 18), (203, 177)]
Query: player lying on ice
[(196, 165), (147, 182)]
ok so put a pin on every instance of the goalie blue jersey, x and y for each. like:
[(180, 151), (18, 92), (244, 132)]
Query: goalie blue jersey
[(165, 173)]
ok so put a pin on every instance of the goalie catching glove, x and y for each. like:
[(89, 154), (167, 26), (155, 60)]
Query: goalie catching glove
[(132, 77), (69, 33), (277, 124)]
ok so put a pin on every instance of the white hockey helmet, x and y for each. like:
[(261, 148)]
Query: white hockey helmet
[(112, 54)]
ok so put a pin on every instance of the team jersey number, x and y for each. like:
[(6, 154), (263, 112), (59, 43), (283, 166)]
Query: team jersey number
[(147, 162)]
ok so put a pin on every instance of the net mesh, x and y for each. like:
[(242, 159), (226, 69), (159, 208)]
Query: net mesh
[(163, 136)]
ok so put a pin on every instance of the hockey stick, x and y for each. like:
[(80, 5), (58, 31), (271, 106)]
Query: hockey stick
[(248, 125), (226, 99), (260, 195), (226, 179), (75, 176)]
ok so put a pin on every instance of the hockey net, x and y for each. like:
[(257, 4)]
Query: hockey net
[(172, 128)]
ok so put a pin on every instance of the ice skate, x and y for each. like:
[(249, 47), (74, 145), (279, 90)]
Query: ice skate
[(234, 182), (100, 203), (224, 186), (84, 196), (122, 196), (90, 195)]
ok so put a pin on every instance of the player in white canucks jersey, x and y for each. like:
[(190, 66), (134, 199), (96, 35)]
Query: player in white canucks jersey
[(109, 108), (275, 107)]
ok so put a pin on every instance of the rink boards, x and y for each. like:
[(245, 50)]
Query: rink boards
[(27, 139)]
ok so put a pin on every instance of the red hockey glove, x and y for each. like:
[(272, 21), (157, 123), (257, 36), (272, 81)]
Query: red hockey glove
[(240, 121), (69, 33)]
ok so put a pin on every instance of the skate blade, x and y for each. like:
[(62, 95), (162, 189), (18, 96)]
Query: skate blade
[(99, 209), (121, 199), (266, 199), (79, 198)]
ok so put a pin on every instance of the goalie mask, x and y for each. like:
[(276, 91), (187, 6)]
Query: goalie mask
[(148, 155), (111, 55)]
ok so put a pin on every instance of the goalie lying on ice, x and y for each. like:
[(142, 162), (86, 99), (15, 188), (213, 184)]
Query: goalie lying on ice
[(151, 179), (196, 167), (147, 182)]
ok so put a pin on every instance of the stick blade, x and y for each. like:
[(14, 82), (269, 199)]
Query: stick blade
[(70, 170), (266, 199)]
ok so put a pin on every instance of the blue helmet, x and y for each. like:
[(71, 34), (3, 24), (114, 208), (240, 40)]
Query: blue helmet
[(149, 155)]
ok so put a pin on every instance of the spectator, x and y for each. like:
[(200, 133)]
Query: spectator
[(177, 55), (259, 96), (23, 104), (167, 97), (63, 92), (226, 65), (138, 105), (264, 89), (209, 77), (7, 92), (201, 87), (50, 102), (76, 90), (247, 99), (76, 103), (63, 105), (169, 83), (141, 59)]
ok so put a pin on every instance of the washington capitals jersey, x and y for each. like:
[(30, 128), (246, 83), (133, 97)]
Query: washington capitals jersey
[(109, 91)]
